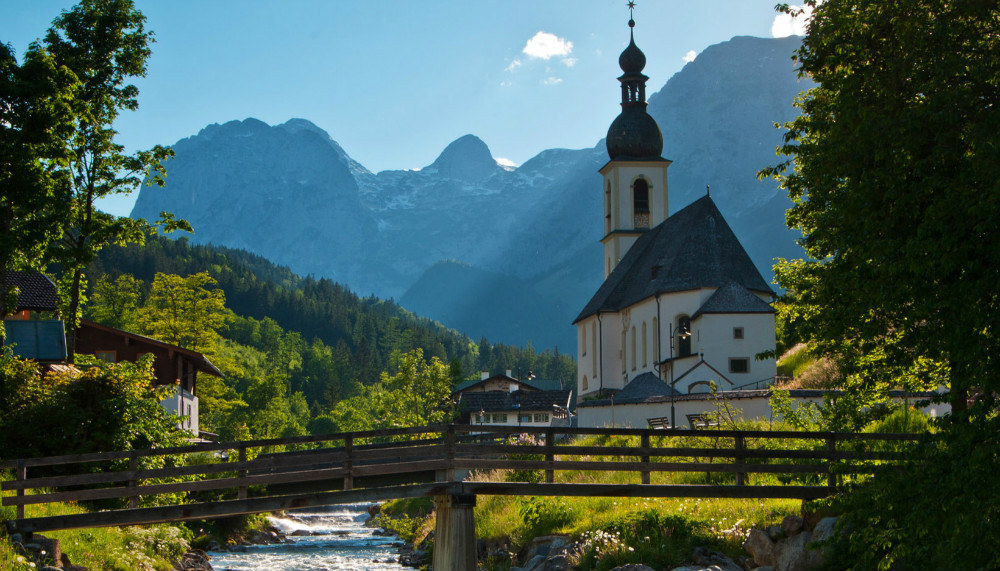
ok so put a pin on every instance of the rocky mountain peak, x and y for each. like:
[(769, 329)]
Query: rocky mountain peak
[(466, 158)]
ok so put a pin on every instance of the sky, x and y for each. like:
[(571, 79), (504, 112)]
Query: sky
[(393, 81)]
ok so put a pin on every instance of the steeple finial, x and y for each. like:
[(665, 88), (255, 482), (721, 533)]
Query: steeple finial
[(631, 19)]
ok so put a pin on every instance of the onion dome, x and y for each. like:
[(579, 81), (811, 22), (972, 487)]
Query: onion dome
[(634, 134), (632, 59)]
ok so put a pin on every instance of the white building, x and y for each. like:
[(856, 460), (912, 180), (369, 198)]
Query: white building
[(682, 306)]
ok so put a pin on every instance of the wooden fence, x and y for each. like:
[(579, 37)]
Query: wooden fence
[(265, 475)]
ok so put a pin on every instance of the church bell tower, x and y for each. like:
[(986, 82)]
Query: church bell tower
[(635, 178)]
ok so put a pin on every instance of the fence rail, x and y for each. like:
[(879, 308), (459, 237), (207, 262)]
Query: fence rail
[(313, 470)]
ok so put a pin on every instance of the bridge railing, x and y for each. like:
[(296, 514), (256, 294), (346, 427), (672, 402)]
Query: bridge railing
[(246, 473)]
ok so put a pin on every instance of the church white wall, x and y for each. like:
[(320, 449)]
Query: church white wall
[(713, 337), (636, 415)]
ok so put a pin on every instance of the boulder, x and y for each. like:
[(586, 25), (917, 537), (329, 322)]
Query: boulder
[(774, 532), (792, 524), (714, 560), (634, 567), (792, 554), (760, 545)]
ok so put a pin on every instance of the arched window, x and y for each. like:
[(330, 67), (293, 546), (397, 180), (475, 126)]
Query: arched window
[(584, 385), (640, 203), (656, 339), (633, 347), (583, 344), (683, 334), (700, 387), (607, 209), (644, 359), (593, 348)]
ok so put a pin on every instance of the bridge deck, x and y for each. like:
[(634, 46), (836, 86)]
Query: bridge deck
[(424, 461)]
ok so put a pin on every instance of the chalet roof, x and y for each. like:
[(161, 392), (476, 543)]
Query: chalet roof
[(200, 361), (536, 384), (733, 298), (37, 292), (499, 401), (694, 248)]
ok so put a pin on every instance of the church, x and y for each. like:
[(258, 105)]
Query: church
[(682, 308)]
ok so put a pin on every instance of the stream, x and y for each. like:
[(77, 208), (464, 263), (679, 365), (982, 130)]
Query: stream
[(340, 541)]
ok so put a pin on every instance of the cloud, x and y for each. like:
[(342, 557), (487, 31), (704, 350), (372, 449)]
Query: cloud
[(570, 61), (544, 45), (785, 25), (551, 80), (505, 84), (689, 57), (513, 65)]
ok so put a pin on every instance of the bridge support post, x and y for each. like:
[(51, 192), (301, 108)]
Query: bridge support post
[(455, 533)]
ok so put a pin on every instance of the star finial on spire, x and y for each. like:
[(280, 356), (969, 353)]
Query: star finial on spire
[(631, 20)]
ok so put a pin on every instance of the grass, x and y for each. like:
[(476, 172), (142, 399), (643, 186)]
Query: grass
[(660, 532), (795, 361), (148, 548)]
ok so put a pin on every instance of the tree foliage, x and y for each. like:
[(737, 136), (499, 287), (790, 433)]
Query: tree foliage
[(104, 43), (894, 171), (186, 311), (896, 188), (36, 120), (104, 408)]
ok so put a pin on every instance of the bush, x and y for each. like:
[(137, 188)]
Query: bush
[(941, 511)]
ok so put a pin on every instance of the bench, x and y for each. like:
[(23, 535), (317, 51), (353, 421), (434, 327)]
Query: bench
[(660, 422), (700, 421)]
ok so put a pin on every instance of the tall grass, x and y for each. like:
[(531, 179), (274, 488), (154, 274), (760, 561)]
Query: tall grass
[(148, 548)]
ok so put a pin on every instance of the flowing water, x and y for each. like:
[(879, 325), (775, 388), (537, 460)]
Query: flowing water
[(340, 541)]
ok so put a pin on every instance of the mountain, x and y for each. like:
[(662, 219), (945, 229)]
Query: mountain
[(523, 244)]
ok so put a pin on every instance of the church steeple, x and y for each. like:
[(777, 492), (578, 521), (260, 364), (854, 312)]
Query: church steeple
[(635, 179), (634, 134)]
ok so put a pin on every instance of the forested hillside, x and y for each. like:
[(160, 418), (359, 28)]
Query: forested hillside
[(291, 347)]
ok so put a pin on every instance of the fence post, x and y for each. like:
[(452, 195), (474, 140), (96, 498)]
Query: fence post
[(831, 447), (22, 475), (449, 442), (550, 442), (740, 458), (644, 444), (133, 467), (243, 473), (349, 463)]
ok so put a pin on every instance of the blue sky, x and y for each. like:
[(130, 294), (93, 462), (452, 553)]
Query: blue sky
[(394, 82)]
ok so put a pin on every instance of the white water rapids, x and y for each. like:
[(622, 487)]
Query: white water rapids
[(340, 542)]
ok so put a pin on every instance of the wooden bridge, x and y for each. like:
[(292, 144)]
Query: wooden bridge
[(281, 474)]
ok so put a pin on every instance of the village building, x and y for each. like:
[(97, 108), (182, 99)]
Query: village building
[(682, 310), (44, 341), (503, 400)]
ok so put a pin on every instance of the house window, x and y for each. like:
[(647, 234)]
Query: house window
[(524, 418), (541, 417), (583, 332), (740, 365), (584, 385), (737, 333), (656, 339), (500, 417), (106, 356)]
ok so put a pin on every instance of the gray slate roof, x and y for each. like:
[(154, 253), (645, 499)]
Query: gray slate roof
[(37, 292), (692, 249), (498, 401), (733, 298), (642, 388)]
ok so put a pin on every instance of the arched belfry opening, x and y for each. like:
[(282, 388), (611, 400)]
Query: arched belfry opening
[(640, 203)]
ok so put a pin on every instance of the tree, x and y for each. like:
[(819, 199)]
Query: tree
[(36, 120), (116, 303), (105, 44), (186, 311), (896, 189), (418, 394)]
